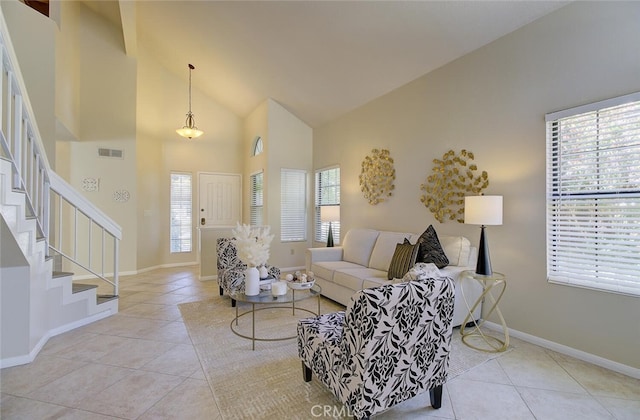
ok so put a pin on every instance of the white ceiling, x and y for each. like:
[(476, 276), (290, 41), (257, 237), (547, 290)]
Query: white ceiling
[(319, 59)]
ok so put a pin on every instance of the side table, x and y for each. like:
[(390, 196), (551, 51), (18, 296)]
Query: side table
[(493, 288)]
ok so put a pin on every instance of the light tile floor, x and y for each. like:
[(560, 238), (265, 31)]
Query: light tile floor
[(140, 364)]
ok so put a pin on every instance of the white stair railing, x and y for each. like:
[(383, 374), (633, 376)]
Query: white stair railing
[(70, 224)]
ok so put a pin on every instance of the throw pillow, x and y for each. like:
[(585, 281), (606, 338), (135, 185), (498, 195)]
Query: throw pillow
[(430, 249), (422, 271), (403, 259)]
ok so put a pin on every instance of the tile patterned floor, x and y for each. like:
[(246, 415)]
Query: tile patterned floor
[(140, 364)]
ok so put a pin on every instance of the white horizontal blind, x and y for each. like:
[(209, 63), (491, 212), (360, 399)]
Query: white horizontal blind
[(327, 193), (257, 203), (593, 196), (293, 209), (180, 229)]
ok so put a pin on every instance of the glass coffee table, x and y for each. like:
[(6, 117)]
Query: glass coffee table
[(265, 300)]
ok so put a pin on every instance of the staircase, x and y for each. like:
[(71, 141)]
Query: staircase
[(45, 225)]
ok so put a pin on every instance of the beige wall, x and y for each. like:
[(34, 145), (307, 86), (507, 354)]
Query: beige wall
[(290, 147), (107, 119), (33, 35), (287, 144), (149, 164), (493, 102), (217, 150), (135, 104), (255, 125), (67, 69)]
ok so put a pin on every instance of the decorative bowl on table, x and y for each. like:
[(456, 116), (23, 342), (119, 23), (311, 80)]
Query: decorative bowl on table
[(299, 281), (296, 285)]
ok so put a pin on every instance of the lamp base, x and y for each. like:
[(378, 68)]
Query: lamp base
[(330, 237), (483, 266)]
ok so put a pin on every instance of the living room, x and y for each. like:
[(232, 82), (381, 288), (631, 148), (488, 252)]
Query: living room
[(491, 101)]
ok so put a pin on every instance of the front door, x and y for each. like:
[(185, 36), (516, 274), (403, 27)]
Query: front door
[(219, 199)]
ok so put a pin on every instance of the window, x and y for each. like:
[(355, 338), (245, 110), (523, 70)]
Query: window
[(593, 196), (293, 208), (327, 192), (257, 146), (181, 221), (257, 204)]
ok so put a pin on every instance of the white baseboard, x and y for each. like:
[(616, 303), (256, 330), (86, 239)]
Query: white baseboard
[(570, 351), (28, 358), (208, 278), (134, 272), (155, 267)]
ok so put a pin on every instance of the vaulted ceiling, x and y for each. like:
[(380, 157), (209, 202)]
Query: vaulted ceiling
[(319, 59)]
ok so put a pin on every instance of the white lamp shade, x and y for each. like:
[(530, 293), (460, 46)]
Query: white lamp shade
[(483, 210), (329, 213)]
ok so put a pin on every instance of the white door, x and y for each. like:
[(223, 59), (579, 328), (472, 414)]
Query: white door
[(219, 199)]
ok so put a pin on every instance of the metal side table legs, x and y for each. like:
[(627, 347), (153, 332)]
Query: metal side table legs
[(493, 288)]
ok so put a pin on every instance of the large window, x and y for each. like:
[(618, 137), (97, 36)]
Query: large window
[(327, 193), (293, 208), (593, 196), (257, 203), (180, 231)]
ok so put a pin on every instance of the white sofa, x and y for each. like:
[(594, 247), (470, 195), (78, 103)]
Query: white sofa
[(363, 259)]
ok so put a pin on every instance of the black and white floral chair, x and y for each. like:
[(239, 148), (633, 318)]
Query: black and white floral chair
[(231, 270), (389, 345)]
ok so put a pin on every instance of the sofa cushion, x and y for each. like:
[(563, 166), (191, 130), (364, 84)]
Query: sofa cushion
[(430, 249), (353, 278), (384, 248), (325, 269), (358, 244), (403, 259), (457, 249), (375, 281)]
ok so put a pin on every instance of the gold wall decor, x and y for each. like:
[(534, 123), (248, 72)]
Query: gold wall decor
[(377, 176), (453, 177)]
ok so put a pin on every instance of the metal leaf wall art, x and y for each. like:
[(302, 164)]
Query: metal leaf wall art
[(453, 177), (377, 176)]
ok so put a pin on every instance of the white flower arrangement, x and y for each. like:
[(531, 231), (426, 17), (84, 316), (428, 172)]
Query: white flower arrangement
[(253, 244)]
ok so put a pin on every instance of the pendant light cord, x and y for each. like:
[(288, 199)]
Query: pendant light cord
[(191, 67)]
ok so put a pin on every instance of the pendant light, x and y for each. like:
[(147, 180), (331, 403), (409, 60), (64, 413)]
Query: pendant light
[(190, 130)]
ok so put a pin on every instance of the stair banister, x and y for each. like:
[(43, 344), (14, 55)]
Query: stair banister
[(21, 143)]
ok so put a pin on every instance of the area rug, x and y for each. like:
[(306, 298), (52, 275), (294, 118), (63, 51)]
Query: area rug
[(266, 383)]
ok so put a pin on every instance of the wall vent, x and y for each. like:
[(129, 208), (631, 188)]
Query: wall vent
[(111, 153)]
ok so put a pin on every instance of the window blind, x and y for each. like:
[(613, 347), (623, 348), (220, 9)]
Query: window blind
[(180, 229), (257, 195), (327, 193), (293, 211), (593, 196)]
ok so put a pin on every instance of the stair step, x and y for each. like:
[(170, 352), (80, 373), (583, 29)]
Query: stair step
[(106, 298), (57, 274), (78, 287)]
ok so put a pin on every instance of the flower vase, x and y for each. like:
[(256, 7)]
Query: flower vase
[(264, 273), (251, 281)]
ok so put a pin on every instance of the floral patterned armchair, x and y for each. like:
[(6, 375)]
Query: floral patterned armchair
[(389, 345), (231, 269)]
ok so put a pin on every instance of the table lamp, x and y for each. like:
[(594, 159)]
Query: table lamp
[(330, 214), (483, 210)]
